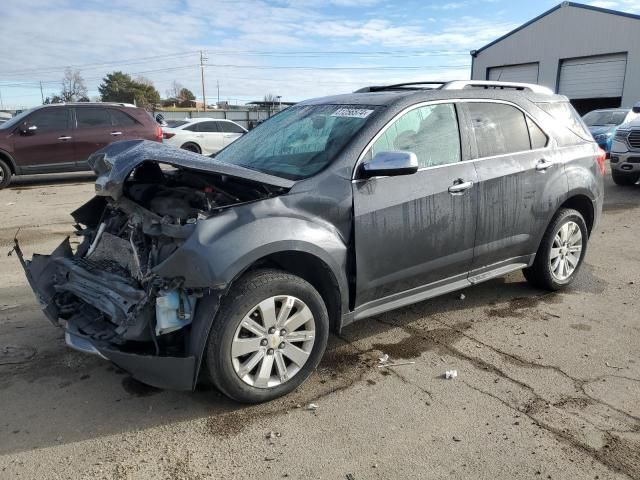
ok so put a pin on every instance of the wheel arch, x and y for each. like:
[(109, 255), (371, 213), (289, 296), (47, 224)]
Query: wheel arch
[(310, 268), (9, 160), (582, 204)]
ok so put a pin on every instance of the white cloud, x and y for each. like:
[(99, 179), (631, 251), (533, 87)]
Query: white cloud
[(630, 6), (55, 33)]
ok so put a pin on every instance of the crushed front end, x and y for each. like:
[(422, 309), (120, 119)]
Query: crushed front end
[(106, 291)]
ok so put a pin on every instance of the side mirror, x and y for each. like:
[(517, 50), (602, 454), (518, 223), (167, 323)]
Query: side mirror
[(27, 129), (391, 164)]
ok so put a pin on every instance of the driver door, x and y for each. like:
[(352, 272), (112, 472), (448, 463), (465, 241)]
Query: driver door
[(50, 147), (415, 233)]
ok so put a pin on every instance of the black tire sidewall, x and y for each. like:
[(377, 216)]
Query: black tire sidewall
[(240, 300), (6, 180), (191, 147), (563, 217)]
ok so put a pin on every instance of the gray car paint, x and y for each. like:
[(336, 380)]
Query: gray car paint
[(319, 216)]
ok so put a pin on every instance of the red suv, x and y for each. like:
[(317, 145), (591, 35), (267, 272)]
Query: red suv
[(60, 137)]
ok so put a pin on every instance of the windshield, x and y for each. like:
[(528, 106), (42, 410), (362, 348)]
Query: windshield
[(12, 122), (298, 142), (604, 118)]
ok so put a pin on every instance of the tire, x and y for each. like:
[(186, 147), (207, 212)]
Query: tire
[(238, 377), (624, 179), (550, 276), (191, 147), (5, 174)]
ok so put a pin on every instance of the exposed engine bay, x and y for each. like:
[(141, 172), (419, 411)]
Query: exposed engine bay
[(107, 289)]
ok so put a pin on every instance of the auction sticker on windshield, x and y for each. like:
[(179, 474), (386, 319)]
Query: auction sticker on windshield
[(352, 112)]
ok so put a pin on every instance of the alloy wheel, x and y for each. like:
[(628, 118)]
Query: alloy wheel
[(566, 250), (273, 341)]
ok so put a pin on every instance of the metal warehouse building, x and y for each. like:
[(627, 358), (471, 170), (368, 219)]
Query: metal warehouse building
[(589, 54)]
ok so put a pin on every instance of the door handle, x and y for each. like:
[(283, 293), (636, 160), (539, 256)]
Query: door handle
[(64, 138), (460, 186), (115, 134), (543, 165), (228, 135)]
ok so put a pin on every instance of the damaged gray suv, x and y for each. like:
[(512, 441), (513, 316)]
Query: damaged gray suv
[(334, 210)]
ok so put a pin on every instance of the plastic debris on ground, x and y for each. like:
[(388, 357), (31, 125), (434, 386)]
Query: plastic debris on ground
[(450, 374), (311, 407)]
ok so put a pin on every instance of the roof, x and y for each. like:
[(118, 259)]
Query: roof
[(411, 96), (548, 12)]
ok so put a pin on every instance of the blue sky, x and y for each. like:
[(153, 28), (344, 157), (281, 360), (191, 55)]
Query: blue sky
[(294, 48)]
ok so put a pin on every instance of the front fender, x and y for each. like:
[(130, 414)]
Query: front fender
[(224, 246)]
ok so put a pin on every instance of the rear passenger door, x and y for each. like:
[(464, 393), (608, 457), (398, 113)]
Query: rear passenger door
[(124, 127), (415, 233), (519, 181), (93, 131)]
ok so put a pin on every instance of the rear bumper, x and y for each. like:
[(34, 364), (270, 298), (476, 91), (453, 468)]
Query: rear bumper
[(175, 373)]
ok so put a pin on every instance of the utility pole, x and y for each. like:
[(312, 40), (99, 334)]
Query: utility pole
[(204, 98), (218, 85), (41, 94), (1, 104)]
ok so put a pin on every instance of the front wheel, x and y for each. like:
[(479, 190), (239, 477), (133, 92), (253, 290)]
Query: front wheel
[(624, 179), (268, 336), (5, 174), (191, 147), (561, 252)]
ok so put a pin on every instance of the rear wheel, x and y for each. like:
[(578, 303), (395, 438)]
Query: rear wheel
[(624, 179), (268, 336), (5, 174), (561, 251), (191, 147)]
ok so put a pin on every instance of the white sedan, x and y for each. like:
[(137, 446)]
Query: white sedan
[(201, 135)]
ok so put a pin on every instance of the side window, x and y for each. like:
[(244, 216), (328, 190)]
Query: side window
[(192, 128), (228, 127), (93, 117), (538, 137), (121, 119), (430, 132), (499, 129), (208, 127), (50, 119)]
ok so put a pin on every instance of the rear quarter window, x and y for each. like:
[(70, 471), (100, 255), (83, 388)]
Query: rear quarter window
[(121, 119), (565, 114)]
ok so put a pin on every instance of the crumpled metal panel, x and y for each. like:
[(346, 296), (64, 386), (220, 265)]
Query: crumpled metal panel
[(114, 163)]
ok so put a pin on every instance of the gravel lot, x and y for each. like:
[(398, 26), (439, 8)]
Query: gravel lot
[(548, 385)]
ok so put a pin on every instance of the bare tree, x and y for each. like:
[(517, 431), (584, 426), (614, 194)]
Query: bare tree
[(73, 87), (271, 98), (174, 90), (144, 81)]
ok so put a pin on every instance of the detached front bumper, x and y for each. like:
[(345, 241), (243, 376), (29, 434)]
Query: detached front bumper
[(175, 373)]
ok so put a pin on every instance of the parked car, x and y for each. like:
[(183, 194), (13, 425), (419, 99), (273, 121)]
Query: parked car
[(625, 154), (202, 135), (334, 210), (61, 137), (603, 123)]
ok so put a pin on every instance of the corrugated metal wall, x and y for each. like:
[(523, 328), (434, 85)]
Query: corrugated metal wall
[(568, 33)]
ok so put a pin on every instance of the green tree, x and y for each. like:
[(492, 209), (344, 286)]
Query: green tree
[(185, 95), (120, 87)]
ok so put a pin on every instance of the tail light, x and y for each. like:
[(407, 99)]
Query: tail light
[(601, 157), (168, 135), (159, 135)]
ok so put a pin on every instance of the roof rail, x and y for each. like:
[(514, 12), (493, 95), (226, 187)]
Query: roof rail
[(120, 104), (462, 84), (396, 86)]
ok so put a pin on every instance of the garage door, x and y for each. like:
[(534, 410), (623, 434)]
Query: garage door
[(593, 77), (525, 73)]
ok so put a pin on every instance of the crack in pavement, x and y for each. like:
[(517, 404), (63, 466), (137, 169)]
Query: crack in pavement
[(608, 458)]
